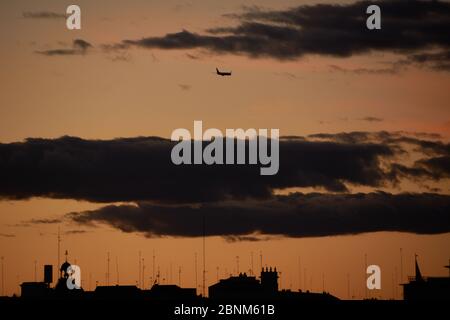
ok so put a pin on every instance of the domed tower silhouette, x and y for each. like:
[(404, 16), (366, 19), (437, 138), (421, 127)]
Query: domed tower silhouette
[(63, 270), (61, 285)]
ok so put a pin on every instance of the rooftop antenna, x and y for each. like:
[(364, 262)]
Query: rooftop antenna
[(153, 266), (139, 277), (311, 282), (107, 268), (179, 276), (3, 276), (260, 260), (195, 267), (204, 255), (59, 245), (35, 273), (448, 267), (299, 274), (396, 282), (365, 269), (251, 259), (401, 265), (323, 282), (158, 276), (66, 254), (348, 286), (143, 273), (117, 270), (393, 286), (305, 283)]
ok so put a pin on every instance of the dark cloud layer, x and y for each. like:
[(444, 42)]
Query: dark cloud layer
[(140, 169), (296, 215), (325, 29)]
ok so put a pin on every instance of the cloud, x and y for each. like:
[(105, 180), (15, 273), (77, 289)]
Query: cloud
[(79, 47), (437, 61), (288, 75), (192, 56), (439, 166), (43, 221), (7, 235), (295, 215), (427, 143), (43, 15), (323, 29), (250, 238), (435, 164), (372, 119), (135, 169), (140, 169), (75, 232), (185, 87), (360, 71)]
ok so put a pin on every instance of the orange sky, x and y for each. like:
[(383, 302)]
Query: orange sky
[(94, 97)]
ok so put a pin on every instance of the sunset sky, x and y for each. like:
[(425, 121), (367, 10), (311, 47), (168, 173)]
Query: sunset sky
[(364, 160)]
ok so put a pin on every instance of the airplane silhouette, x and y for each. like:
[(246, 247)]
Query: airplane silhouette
[(223, 73)]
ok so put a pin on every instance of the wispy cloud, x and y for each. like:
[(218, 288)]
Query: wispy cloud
[(185, 87), (7, 235), (372, 119), (79, 47), (43, 15)]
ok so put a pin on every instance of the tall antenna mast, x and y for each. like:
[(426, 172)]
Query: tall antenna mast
[(59, 247), (3, 276), (365, 270), (196, 273), (139, 278), (107, 268), (179, 276), (401, 265), (348, 286), (260, 260), (35, 274), (117, 270), (143, 273), (305, 280), (204, 255), (323, 282), (396, 282), (251, 259), (153, 267)]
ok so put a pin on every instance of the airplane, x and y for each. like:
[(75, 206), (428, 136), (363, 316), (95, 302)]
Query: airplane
[(219, 73)]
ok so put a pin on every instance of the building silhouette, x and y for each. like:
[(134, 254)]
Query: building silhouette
[(239, 288), (426, 288), (243, 287)]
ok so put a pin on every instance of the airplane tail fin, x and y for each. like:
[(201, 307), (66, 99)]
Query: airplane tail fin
[(217, 70)]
